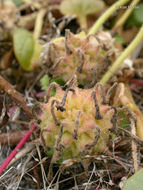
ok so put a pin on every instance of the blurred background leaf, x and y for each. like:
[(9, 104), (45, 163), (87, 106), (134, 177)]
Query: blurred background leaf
[(136, 18), (135, 182)]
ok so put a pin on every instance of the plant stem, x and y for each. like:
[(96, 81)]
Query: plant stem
[(124, 17), (106, 15), (123, 56), (16, 149), (39, 23), (83, 22)]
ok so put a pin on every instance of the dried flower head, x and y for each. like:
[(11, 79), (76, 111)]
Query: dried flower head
[(86, 56), (77, 122)]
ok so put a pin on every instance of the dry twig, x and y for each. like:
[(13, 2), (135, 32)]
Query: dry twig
[(8, 89), (12, 138)]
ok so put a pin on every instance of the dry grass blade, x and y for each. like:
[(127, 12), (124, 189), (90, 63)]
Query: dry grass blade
[(42, 168), (134, 146)]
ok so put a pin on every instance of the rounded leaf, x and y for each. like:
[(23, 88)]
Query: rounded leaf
[(135, 182), (81, 7), (23, 47)]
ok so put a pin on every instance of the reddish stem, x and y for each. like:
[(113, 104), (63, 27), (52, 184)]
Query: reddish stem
[(97, 188), (137, 82), (16, 149)]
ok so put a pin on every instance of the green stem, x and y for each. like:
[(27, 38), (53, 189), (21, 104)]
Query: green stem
[(127, 13), (123, 56), (39, 23), (83, 22), (106, 15)]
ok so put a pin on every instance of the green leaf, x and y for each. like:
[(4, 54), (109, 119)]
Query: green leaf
[(138, 14), (50, 153), (44, 82), (23, 47), (81, 7), (119, 39), (17, 2), (136, 18), (53, 92), (59, 161), (27, 50), (135, 182), (58, 81), (124, 122)]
